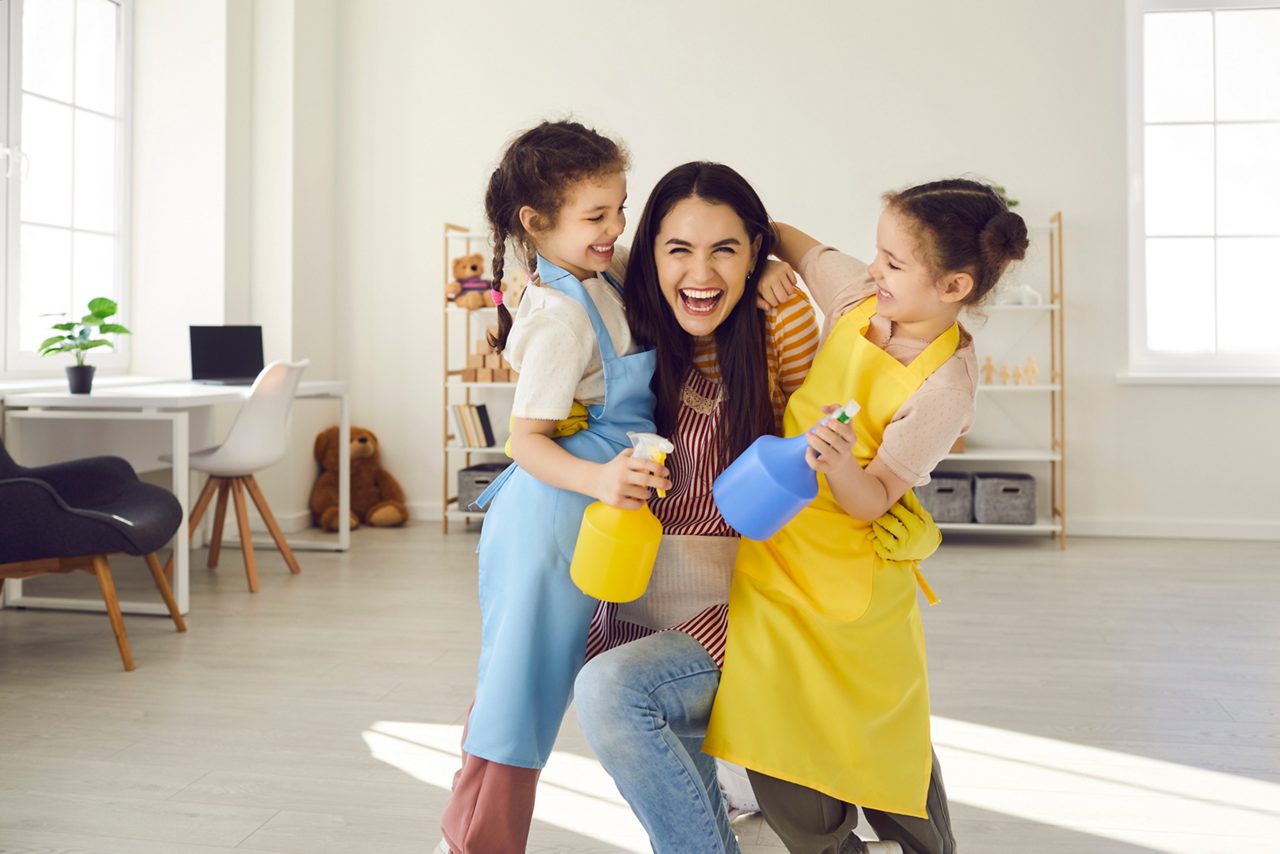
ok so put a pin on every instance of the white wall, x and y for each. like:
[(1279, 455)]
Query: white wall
[(179, 195), (822, 106), (233, 196)]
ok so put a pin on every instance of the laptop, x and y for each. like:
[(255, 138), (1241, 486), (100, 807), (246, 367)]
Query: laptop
[(226, 355)]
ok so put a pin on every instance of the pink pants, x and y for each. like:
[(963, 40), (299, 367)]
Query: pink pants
[(491, 807)]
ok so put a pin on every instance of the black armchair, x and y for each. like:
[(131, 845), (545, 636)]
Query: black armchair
[(72, 515)]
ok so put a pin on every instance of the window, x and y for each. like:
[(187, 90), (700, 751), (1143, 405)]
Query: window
[(66, 153), (1204, 147)]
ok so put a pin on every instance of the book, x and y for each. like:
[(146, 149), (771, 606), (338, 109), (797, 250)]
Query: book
[(468, 436), (459, 438), (486, 427)]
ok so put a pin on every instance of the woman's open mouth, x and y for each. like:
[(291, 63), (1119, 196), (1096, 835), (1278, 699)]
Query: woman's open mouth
[(700, 302)]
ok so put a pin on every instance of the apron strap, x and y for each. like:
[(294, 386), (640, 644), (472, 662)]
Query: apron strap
[(924, 583)]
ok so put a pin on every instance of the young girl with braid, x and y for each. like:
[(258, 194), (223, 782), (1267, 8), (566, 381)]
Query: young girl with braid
[(824, 696), (558, 196)]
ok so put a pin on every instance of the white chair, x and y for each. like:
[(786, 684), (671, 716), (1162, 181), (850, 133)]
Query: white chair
[(256, 440)]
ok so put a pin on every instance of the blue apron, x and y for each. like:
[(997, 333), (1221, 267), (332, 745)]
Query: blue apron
[(535, 620)]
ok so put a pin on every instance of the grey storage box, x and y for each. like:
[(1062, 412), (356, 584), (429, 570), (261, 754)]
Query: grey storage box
[(1004, 498), (474, 480), (948, 496)]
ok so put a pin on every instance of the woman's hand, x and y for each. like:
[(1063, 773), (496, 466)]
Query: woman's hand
[(831, 445), (625, 480), (777, 284)]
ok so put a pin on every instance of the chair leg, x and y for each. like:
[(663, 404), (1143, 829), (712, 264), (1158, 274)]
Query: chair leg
[(246, 536), (276, 534), (108, 587), (219, 517), (162, 584), (197, 514), (202, 504)]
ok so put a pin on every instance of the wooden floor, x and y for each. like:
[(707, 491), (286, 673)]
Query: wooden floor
[(1123, 696)]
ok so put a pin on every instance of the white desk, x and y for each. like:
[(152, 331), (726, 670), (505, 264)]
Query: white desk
[(171, 402)]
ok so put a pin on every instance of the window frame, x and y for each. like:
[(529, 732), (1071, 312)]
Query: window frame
[(14, 363), (1146, 365)]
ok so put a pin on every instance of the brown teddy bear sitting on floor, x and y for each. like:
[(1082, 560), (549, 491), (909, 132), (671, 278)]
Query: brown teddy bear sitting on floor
[(376, 497)]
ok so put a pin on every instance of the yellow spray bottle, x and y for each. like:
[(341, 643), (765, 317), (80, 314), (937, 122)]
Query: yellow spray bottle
[(616, 548)]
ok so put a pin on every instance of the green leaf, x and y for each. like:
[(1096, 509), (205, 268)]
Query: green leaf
[(97, 342), (102, 307), (84, 334), (116, 328), (49, 342), (65, 327), (91, 320)]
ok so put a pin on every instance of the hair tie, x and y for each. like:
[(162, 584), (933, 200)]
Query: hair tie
[(497, 296)]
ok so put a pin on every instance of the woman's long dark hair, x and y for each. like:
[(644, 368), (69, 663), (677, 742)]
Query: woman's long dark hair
[(740, 339)]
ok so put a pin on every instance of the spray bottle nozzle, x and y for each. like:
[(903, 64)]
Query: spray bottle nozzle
[(651, 446)]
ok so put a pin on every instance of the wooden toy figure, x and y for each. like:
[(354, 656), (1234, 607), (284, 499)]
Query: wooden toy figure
[(1032, 370), (1017, 375), (1004, 374), (988, 371)]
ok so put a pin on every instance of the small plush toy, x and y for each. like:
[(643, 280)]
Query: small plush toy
[(376, 497), (469, 289)]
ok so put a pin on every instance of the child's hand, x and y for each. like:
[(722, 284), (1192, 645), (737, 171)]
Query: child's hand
[(831, 445), (625, 480), (777, 284)]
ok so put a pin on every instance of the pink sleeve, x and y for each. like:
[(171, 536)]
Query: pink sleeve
[(924, 430), (837, 281)]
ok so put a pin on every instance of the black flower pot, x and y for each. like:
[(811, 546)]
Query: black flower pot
[(80, 378)]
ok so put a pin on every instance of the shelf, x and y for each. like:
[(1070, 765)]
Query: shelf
[(450, 308), (1004, 388), (467, 235), (1048, 306), (458, 385), (1009, 455), (1041, 526), (461, 515), (494, 451)]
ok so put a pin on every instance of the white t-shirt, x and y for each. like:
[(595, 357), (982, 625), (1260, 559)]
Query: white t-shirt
[(554, 348)]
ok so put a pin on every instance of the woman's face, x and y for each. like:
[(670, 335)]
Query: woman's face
[(703, 255)]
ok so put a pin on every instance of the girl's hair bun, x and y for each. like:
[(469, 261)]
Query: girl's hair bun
[(1004, 238)]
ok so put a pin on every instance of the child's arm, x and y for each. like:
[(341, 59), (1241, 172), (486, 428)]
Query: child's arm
[(622, 482), (835, 281), (863, 493), (793, 244)]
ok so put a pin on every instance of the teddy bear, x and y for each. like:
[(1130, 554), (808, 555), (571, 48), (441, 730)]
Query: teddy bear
[(469, 289), (376, 496)]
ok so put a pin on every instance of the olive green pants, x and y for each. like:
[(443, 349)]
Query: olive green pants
[(809, 822)]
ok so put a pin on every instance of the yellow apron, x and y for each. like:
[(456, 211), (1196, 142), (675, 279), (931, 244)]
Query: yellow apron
[(825, 683)]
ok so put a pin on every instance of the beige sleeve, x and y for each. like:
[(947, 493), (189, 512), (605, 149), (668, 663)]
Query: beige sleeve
[(551, 353), (836, 281), (924, 429)]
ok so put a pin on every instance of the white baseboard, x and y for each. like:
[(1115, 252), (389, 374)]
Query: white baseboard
[(1173, 528)]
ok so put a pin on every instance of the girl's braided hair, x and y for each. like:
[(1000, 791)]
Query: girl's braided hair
[(964, 225), (537, 170)]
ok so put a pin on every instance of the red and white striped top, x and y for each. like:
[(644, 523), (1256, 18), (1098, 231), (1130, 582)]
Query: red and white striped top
[(688, 508)]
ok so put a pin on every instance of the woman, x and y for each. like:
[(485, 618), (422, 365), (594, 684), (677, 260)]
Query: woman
[(724, 373)]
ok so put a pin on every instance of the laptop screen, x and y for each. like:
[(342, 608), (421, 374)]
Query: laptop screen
[(226, 352)]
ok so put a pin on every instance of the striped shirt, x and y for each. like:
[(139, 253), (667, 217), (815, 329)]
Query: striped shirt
[(688, 508), (790, 346)]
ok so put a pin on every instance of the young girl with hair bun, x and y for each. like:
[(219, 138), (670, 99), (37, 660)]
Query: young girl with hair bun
[(824, 694), (558, 196)]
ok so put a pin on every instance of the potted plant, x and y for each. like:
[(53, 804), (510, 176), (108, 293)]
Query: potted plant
[(78, 338)]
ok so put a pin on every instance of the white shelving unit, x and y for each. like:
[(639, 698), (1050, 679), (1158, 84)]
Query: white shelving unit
[(453, 456), (1023, 425)]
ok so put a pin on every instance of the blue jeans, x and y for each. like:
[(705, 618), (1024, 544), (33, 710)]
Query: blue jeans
[(644, 708)]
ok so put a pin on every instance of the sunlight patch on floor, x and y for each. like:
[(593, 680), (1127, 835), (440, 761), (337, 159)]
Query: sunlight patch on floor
[(1148, 802), (574, 793)]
